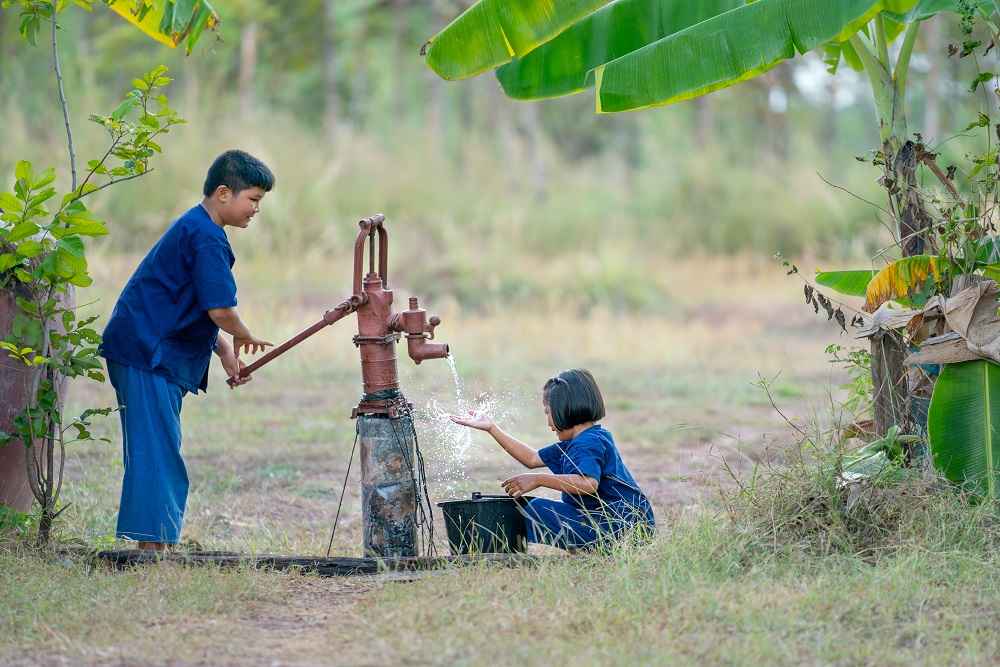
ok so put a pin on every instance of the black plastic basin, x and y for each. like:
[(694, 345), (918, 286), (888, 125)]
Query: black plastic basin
[(485, 524)]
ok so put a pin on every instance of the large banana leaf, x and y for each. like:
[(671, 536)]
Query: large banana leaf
[(901, 278), (964, 425), (925, 9), (851, 283), (168, 21), (565, 64), (492, 32), (731, 47)]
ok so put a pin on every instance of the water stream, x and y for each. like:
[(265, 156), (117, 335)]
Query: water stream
[(452, 448)]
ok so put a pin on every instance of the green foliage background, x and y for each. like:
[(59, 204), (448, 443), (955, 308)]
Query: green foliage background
[(336, 98)]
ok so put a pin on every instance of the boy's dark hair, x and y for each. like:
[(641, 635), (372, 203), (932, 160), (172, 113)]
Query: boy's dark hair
[(238, 170), (573, 398)]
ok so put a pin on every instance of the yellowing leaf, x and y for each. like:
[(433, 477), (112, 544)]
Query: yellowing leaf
[(168, 22), (900, 279)]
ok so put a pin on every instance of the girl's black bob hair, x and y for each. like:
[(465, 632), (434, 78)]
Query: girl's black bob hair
[(573, 398)]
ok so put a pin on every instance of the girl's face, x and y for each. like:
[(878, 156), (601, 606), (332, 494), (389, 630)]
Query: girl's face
[(563, 435)]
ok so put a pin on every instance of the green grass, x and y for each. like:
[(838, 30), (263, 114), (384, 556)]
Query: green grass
[(701, 595), (62, 605), (719, 586)]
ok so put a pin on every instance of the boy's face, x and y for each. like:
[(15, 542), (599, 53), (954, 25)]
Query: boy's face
[(237, 209)]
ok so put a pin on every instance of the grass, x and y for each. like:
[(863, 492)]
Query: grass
[(719, 585), (701, 595)]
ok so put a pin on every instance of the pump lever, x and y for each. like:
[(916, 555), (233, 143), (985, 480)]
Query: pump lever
[(329, 317)]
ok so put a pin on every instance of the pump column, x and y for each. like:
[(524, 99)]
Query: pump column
[(388, 492)]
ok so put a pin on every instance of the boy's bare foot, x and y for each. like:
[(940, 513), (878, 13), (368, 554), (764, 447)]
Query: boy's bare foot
[(152, 546)]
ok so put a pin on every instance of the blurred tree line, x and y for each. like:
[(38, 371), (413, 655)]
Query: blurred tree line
[(317, 83)]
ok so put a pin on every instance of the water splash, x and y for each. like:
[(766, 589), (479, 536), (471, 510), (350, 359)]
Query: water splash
[(452, 448)]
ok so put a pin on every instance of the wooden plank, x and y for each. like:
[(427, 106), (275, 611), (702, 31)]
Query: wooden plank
[(324, 567)]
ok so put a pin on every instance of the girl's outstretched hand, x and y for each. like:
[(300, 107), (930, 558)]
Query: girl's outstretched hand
[(474, 420)]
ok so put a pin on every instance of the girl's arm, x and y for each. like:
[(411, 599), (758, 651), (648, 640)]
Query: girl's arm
[(519, 451), (579, 485)]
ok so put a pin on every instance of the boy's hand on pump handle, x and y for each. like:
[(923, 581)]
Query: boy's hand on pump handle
[(249, 344), (228, 319)]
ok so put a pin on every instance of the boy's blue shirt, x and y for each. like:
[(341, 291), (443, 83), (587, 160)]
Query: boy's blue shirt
[(593, 453), (160, 322)]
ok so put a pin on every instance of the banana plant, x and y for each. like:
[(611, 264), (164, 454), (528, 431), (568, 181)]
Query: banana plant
[(964, 425), (642, 53), (637, 54), (909, 279)]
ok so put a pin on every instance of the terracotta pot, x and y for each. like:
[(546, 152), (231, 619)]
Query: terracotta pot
[(16, 381)]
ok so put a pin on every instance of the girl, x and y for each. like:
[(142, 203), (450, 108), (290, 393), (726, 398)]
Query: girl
[(600, 499)]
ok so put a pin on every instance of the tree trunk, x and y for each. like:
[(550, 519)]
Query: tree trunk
[(893, 386), (704, 121), (828, 130), (889, 382), (535, 140), (778, 118), (932, 92), (248, 68), (331, 116)]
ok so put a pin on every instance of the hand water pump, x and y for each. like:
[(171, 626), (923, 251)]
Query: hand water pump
[(390, 462)]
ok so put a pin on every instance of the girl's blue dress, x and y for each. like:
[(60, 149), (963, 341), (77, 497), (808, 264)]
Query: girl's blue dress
[(582, 521)]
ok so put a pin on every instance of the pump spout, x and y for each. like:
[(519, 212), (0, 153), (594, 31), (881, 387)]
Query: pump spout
[(419, 330), (420, 349)]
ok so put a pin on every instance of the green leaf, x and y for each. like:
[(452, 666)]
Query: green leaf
[(992, 271), (22, 171), (30, 248), (88, 228), (851, 283), (492, 32), (726, 49), (78, 220), (42, 197), (8, 202), (81, 280), (925, 9), (981, 78), (124, 108), (964, 425), (73, 245), (47, 177), (7, 260), (982, 121), (564, 65), (22, 231)]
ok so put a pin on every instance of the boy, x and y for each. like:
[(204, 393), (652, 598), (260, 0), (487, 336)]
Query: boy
[(160, 338)]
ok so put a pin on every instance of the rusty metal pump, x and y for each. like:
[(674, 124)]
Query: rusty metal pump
[(392, 472), (379, 329)]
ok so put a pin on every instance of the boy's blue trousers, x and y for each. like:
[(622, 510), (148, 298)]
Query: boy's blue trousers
[(155, 485)]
